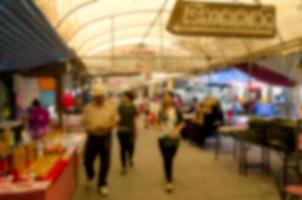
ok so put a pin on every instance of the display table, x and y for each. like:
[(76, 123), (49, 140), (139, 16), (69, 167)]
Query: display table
[(231, 131), (72, 122), (59, 185), (241, 146)]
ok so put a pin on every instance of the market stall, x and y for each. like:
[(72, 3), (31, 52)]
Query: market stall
[(41, 170), (32, 67), (47, 36)]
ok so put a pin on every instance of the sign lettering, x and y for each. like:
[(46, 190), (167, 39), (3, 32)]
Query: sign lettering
[(200, 18)]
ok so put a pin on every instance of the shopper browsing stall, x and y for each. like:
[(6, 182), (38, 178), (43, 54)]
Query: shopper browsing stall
[(99, 118)]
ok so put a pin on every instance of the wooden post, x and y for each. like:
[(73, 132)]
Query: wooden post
[(59, 92), (1, 100), (112, 29), (210, 82), (250, 81)]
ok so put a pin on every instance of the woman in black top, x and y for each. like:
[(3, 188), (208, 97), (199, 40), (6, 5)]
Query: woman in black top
[(127, 130)]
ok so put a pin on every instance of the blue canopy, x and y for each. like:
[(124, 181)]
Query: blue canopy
[(26, 38), (226, 76)]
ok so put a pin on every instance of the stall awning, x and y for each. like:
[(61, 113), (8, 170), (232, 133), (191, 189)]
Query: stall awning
[(26, 38), (263, 74), (288, 65), (226, 76)]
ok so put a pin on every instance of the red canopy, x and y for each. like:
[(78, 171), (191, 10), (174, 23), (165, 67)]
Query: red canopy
[(268, 76)]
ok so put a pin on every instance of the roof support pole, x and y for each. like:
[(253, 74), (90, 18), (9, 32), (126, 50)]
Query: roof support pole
[(250, 82), (112, 28), (1, 99), (159, 13), (73, 11), (210, 81), (161, 38)]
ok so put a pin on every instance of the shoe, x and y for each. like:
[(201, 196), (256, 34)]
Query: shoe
[(169, 187), (124, 172), (104, 191)]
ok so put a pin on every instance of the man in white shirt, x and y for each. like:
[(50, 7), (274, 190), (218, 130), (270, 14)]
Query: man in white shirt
[(99, 118)]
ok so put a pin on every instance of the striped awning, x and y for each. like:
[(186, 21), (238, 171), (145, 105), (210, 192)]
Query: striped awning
[(26, 38)]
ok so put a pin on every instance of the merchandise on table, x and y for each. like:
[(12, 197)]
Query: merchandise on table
[(32, 159), (6, 140), (5, 152), (18, 160), (42, 166), (23, 171), (31, 153)]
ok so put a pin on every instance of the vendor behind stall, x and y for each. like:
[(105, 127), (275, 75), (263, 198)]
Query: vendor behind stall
[(213, 115), (38, 120), (208, 116)]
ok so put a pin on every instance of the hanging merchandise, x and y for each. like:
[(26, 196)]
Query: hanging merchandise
[(68, 100)]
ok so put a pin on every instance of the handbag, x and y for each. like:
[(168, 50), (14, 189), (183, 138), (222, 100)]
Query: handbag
[(166, 141)]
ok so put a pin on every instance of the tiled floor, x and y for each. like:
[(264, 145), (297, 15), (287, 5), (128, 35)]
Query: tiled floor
[(198, 176)]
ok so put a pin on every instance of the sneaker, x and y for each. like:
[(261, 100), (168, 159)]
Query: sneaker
[(104, 191), (169, 187)]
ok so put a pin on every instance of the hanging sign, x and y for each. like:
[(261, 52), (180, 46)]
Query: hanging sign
[(220, 19)]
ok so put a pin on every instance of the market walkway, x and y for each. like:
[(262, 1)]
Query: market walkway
[(198, 177)]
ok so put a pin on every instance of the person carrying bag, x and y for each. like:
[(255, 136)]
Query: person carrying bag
[(170, 123)]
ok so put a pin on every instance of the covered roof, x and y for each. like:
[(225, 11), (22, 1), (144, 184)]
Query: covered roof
[(26, 38), (98, 29)]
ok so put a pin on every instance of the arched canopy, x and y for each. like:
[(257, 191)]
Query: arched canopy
[(95, 27)]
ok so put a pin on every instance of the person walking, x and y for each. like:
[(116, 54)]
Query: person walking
[(99, 118), (170, 124), (127, 130)]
